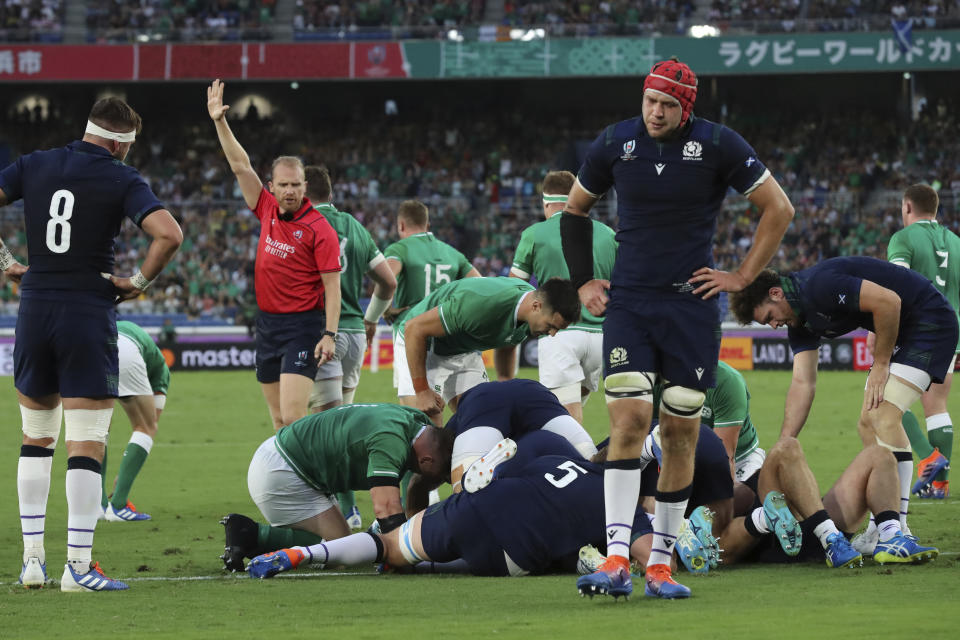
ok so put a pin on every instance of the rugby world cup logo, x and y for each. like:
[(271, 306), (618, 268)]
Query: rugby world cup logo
[(628, 148), (298, 234)]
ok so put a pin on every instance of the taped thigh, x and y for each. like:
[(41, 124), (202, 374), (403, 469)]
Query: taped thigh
[(682, 402), (900, 394), (568, 393), (325, 391), (42, 423), (574, 433), (87, 424), (632, 385)]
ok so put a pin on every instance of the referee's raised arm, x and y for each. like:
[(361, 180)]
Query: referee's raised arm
[(250, 184)]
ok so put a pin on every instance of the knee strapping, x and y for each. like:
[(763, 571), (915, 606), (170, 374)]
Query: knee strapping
[(405, 540), (900, 394), (568, 393), (159, 401), (42, 423), (636, 385), (87, 424), (348, 396), (895, 449), (682, 401)]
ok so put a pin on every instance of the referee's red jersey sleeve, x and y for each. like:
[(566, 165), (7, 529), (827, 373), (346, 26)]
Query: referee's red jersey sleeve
[(266, 204), (326, 248)]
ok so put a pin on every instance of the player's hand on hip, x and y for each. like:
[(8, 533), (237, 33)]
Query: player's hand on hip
[(712, 281), (430, 402), (125, 288), (593, 295), (325, 350), (876, 381), (369, 328), (15, 271), (215, 105)]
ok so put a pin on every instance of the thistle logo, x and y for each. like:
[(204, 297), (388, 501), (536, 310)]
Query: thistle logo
[(692, 150), (628, 148), (618, 357)]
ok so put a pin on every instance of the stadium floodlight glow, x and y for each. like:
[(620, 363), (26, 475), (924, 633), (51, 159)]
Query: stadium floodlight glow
[(454, 35), (526, 35), (703, 31), (143, 37)]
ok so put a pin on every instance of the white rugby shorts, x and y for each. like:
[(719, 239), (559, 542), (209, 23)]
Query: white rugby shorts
[(281, 495), (447, 375), (571, 357), (134, 380)]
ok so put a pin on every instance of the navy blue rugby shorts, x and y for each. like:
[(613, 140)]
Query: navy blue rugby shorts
[(453, 529), (285, 344), (928, 340), (676, 336), (66, 346)]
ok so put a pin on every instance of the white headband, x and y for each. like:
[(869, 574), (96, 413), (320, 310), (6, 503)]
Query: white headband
[(96, 130), (549, 198)]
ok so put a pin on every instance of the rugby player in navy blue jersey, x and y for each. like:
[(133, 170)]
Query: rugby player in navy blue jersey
[(296, 275), (65, 358), (533, 519), (914, 324), (671, 171)]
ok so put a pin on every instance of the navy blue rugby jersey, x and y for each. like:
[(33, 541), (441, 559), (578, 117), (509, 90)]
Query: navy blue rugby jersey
[(668, 196), (74, 199), (543, 512), (826, 298), (514, 407)]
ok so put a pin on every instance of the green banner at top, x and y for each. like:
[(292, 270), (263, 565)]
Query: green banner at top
[(777, 53)]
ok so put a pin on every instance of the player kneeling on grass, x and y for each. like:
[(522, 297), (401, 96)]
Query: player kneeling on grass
[(294, 475), (144, 379), (533, 519)]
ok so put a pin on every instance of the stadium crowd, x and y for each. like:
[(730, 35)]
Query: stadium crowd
[(483, 194), (124, 21), (28, 20)]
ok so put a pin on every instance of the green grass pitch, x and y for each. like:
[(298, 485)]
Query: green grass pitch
[(197, 473)]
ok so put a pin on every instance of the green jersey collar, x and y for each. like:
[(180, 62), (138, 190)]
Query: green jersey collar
[(516, 312), (325, 207)]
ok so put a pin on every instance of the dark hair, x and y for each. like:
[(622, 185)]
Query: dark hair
[(319, 187), (115, 115), (558, 182), (414, 212), (561, 296), (744, 303), (923, 197)]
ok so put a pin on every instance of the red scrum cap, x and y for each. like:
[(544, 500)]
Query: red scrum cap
[(676, 80)]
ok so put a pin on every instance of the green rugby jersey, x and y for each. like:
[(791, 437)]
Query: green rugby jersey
[(726, 405), (428, 263), (477, 314), (353, 446), (926, 247), (157, 371), (540, 253), (358, 254)]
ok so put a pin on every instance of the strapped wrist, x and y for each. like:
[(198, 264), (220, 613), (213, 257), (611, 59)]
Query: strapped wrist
[(6, 258), (376, 308), (140, 281)]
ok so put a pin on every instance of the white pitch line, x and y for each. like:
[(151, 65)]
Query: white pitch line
[(230, 576)]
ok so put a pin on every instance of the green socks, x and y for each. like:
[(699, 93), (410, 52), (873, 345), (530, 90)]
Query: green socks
[(133, 458), (918, 439), (273, 538), (940, 434), (347, 502)]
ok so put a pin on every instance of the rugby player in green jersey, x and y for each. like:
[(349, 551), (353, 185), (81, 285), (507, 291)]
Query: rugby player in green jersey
[(294, 475), (933, 250), (336, 380), (438, 344), (421, 264), (570, 363), (142, 392)]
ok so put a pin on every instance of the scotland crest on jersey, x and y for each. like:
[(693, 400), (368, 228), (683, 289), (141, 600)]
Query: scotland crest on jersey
[(628, 148)]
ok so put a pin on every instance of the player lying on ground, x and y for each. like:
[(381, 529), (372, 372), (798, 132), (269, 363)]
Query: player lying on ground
[(144, 379), (492, 411), (294, 475), (533, 519)]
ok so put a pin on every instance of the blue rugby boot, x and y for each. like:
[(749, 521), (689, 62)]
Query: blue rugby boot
[(904, 549), (701, 523), (92, 580), (612, 578), (660, 584), (270, 564), (841, 554), (782, 523)]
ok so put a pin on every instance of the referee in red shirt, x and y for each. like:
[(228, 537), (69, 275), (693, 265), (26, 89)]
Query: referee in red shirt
[(297, 276)]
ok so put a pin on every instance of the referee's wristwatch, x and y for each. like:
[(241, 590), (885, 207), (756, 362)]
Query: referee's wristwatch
[(332, 334)]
